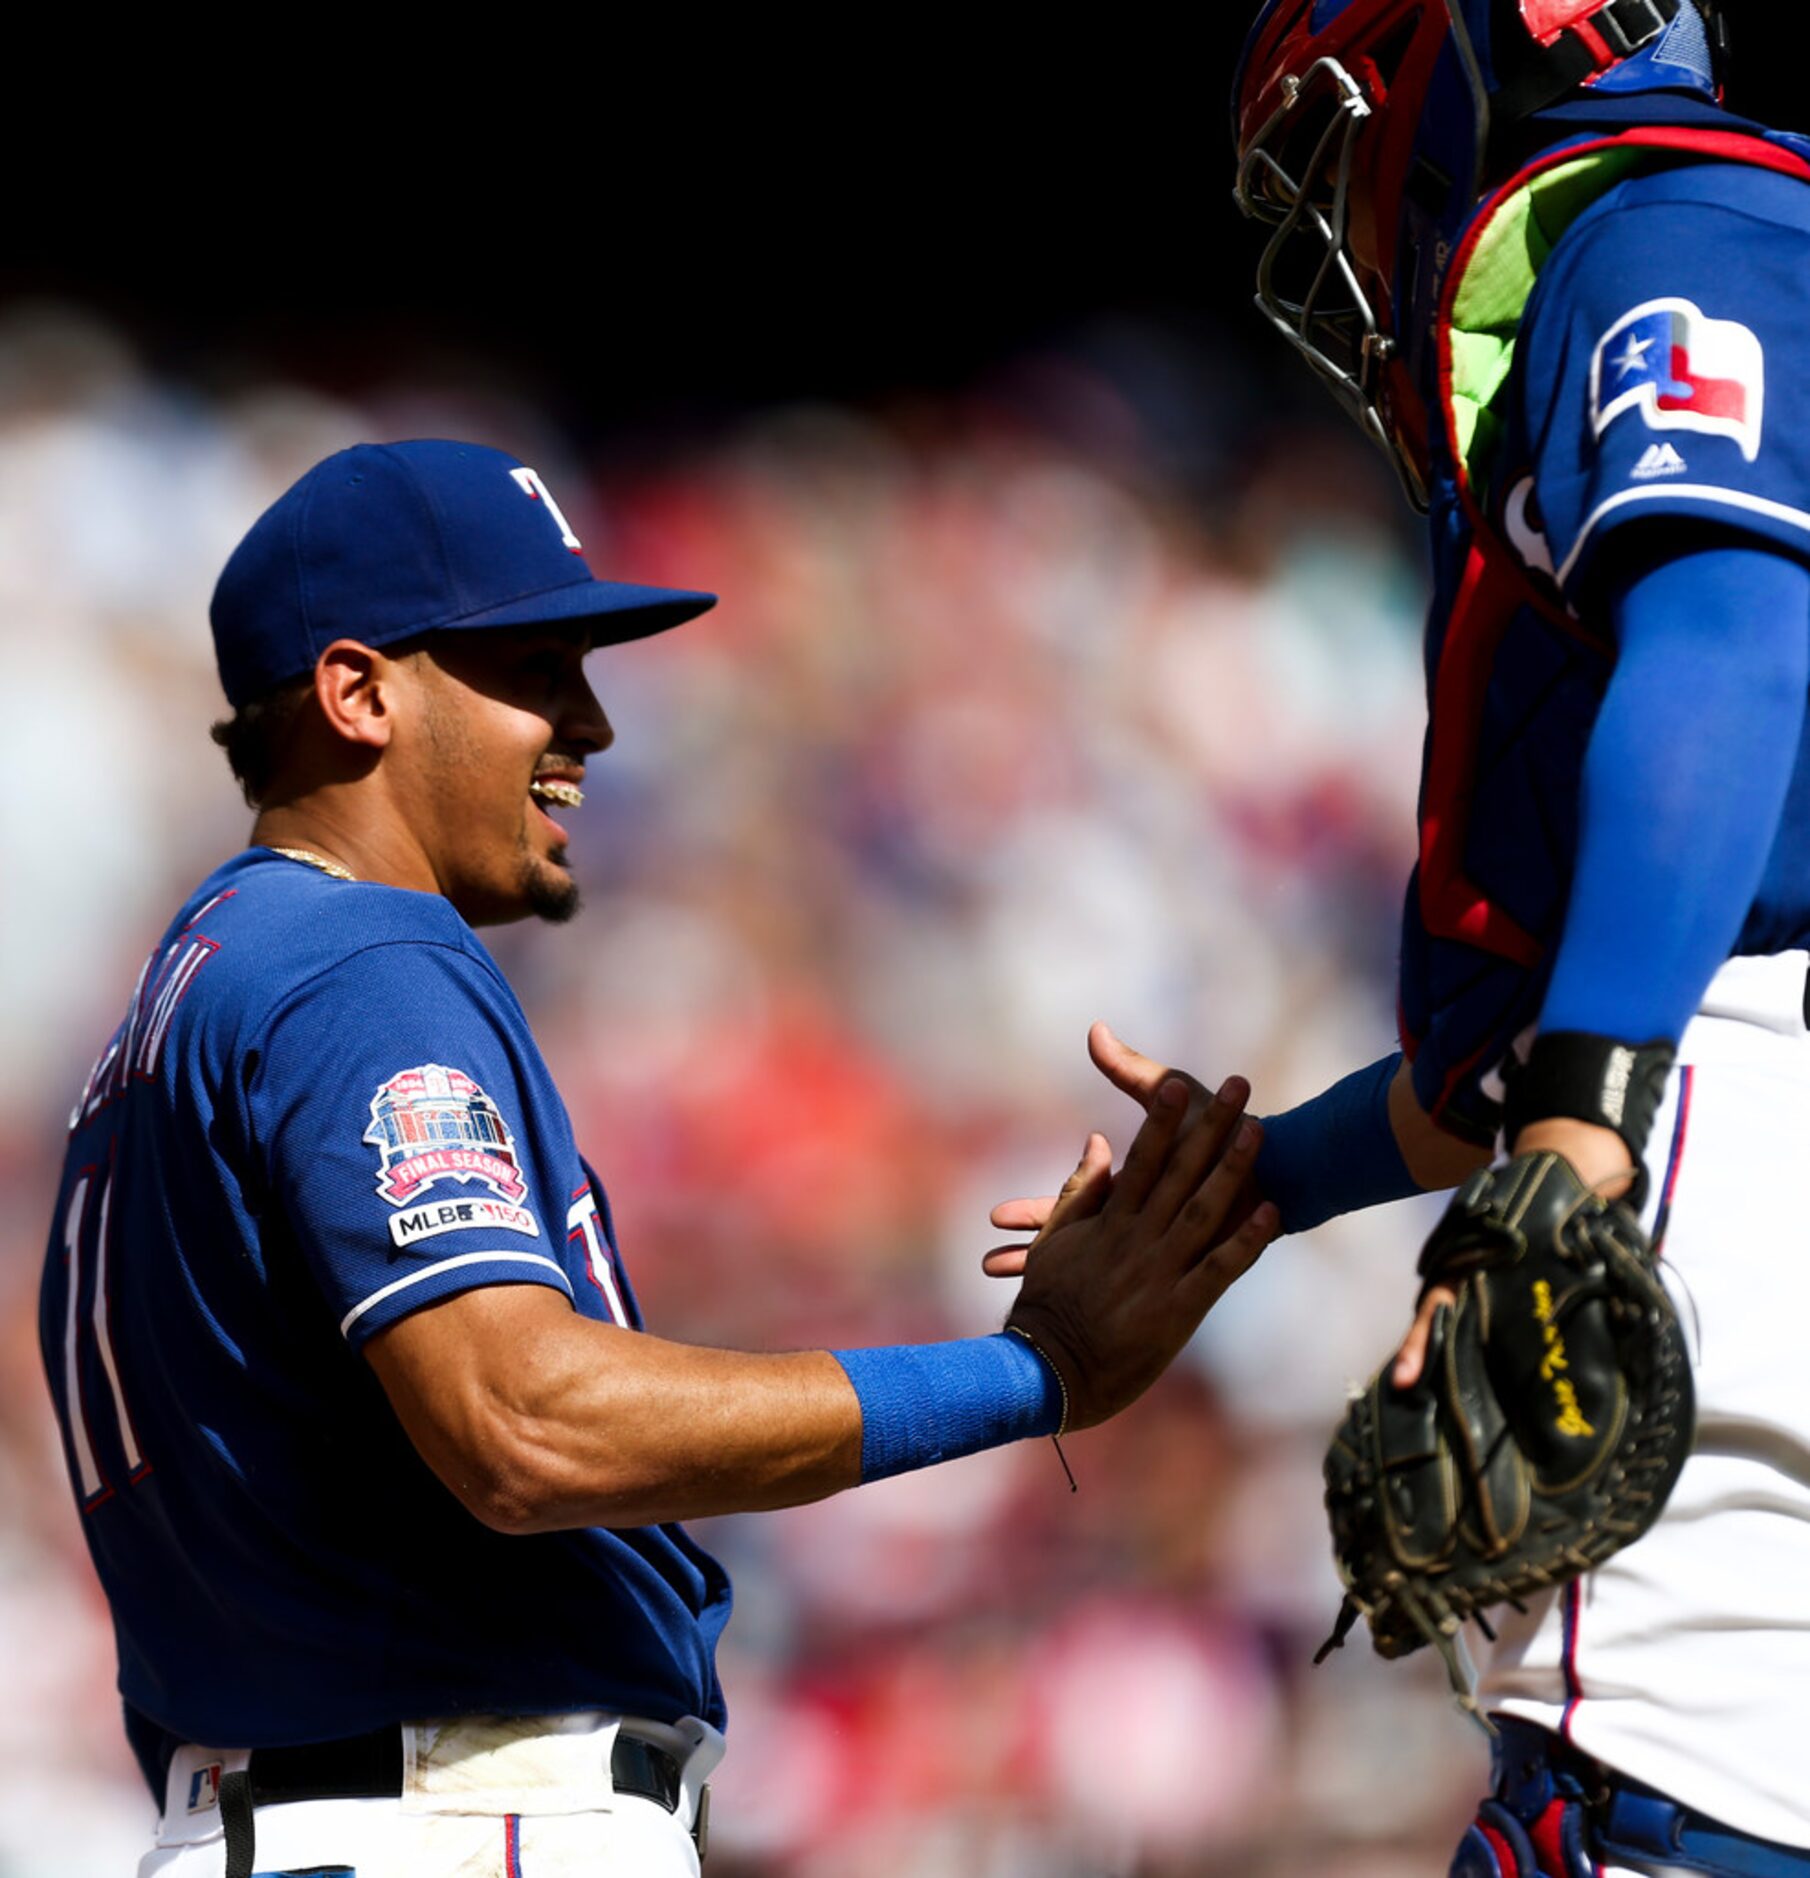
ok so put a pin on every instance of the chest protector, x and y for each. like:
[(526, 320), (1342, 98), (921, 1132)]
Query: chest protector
[(1475, 954)]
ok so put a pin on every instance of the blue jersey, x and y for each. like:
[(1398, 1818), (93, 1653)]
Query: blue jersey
[(1659, 374), (1663, 369), (322, 1111)]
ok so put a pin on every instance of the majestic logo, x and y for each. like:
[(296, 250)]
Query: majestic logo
[(433, 1123), (1682, 371), (1661, 459)]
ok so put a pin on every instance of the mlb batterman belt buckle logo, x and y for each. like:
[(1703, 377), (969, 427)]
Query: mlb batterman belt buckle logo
[(204, 1787), (433, 1123)]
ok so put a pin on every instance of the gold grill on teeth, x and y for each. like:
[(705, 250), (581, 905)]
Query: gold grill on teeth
[(566, 795)]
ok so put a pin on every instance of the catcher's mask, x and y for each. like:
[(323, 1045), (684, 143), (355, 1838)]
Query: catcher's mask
[(1366, 132)]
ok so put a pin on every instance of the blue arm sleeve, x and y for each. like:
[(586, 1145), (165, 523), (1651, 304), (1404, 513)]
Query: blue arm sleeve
[(1336, 1153), (1684, 780)]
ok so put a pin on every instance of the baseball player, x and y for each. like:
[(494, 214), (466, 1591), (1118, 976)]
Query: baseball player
[(377, 1466), (1562, 287)]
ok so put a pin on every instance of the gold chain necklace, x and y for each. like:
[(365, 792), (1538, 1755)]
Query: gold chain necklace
[(309, 858)]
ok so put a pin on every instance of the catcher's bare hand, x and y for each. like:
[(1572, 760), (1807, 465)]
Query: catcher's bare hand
[(1116, 1286), (1411, 1358), (1139, 1077), (1600, 1157)]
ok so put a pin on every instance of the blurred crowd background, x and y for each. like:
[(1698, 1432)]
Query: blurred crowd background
[(1088, 688)]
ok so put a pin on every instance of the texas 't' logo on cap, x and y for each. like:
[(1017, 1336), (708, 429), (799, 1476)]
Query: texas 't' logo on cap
[(529, 482)]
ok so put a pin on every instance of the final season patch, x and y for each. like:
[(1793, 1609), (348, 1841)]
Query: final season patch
[(433, 1123), (1683, 371)]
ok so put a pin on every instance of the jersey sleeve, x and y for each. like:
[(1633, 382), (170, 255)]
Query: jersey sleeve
[(1663, 369), (412, 1139)]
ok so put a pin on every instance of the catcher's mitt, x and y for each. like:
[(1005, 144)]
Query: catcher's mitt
[(1549, 1425)]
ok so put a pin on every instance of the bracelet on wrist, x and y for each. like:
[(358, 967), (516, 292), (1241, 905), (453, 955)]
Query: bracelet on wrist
[(1061, 1427)]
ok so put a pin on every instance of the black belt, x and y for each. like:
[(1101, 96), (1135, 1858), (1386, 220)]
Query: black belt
[(369, 1767)]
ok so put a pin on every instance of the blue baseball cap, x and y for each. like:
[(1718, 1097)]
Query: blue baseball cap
[(385, 541)]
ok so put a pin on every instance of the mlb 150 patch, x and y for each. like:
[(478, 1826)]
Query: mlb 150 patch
[(438, 1216), (433, 1123), (1681, 370)]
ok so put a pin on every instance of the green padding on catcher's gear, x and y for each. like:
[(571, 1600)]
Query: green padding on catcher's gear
[(1499, 280)]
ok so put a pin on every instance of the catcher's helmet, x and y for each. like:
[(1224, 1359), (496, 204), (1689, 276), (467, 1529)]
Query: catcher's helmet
[(1368, 129)]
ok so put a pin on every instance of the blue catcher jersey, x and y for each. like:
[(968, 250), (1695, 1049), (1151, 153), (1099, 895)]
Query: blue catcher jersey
[(1654, 372), (324, 1110), (1664, 371)]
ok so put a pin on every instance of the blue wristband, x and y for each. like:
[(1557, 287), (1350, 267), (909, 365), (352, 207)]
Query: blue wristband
[(927, 1402), (1336, 1153)]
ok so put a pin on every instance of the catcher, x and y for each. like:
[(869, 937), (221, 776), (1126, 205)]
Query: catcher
[(1560, 286)]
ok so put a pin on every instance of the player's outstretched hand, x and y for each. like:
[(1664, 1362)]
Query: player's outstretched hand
[(1137, 1076), (1116, 1286)]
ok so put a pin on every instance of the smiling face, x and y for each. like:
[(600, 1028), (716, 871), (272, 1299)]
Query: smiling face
[(505, 722)]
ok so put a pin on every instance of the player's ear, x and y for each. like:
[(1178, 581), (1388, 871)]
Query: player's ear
[(357, 691)]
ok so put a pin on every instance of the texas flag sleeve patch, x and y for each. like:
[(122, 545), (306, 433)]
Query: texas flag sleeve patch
[(1681, 371)]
